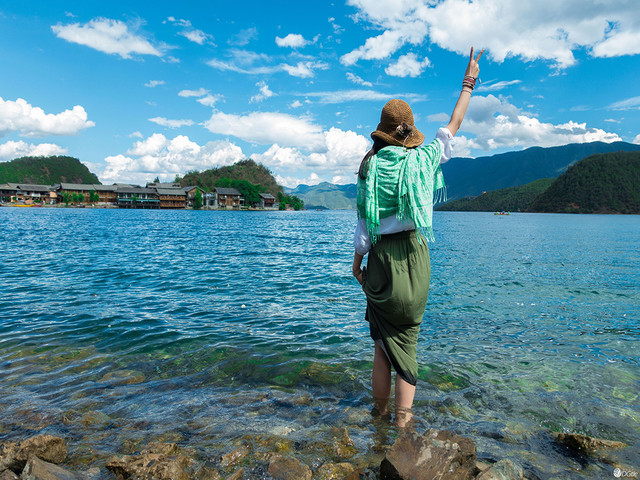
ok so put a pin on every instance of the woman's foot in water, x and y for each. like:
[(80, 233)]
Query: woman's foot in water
[(380, 407), (403, 417)]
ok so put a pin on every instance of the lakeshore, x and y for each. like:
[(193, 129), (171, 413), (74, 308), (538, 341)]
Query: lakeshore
[(145, 326)]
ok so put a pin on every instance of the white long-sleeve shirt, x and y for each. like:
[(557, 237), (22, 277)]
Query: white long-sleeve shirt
[(361, 240)]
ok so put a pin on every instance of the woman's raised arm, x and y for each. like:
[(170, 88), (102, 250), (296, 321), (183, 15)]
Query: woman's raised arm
[(468, 83)]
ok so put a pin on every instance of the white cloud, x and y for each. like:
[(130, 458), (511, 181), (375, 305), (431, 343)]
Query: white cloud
[(292, 182), (243, 37), (341, 96), (171, 123), (159, 155), (407, 66), (493, 87), (498, 124), (201, 92), (154, 83), (636, 140), (357, 80), (628, 104), (267, 128), (108, 36), (340, 155), (245, 65), (197, 36), (135, 135), (30, 121), (293, 40), (438, 117), (210, 100), (264, 92), (11, 150), (296, 104), (506, 28)]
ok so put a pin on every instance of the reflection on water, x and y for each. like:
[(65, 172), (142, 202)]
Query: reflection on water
[(121, 327)]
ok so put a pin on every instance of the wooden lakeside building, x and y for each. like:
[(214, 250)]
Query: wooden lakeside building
[(153, 195)]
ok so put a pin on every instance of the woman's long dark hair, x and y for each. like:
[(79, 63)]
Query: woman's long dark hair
[(377, 146)]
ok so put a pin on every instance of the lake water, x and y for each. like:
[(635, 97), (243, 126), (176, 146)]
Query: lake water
[(118, 327)]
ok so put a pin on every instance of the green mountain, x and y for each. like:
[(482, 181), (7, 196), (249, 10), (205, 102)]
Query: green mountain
[(247, 170), (327, 195), (46, 171), (512, 199), (605, 183), (469, 177)]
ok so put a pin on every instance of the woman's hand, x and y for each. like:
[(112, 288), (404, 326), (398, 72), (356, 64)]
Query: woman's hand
[(473, 69), (356, 270)]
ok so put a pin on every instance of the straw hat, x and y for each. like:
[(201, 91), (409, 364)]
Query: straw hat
[(396, 125)]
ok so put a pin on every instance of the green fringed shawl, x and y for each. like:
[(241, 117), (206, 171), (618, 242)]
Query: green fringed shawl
[(405, 182)]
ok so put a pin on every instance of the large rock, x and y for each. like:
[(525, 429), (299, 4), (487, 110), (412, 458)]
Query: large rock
[(37, 469), (436, 454), (14, 455), (502, 470), (158, 462), (288, 468), (587, 445)]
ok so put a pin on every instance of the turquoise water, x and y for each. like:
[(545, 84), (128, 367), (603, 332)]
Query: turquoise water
[(200, 326)]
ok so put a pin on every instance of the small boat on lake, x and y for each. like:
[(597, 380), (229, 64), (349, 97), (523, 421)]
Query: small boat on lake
[(502, 213)]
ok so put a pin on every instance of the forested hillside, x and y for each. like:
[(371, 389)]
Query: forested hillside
[(605, 183), (233, 176), (46, 171), (513, 199)]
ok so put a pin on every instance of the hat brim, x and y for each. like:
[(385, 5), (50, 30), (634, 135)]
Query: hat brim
[(415, 139)]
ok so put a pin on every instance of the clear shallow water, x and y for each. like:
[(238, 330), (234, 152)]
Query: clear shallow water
[(198, 327)]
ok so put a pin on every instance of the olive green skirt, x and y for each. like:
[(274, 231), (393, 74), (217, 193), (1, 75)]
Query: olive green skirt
[(396, 284)]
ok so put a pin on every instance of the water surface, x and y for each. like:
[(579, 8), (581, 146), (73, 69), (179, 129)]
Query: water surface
[(200, 326)]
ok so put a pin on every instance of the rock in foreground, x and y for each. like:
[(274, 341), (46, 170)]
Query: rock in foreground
[(436, 454), (14, 456)]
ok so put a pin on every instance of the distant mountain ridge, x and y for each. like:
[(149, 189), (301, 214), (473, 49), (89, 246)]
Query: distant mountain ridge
[(327, 195), (469, 177), (46, 171), (472, 176)]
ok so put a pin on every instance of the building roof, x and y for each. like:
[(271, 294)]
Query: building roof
[(227, 191), (267, 196), (31, 187), (163, 185), (171, 191), (135, 190)]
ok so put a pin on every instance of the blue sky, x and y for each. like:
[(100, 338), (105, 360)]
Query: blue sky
[(137, 90)]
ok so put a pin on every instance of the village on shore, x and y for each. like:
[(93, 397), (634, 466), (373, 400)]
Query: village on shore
[(154, 195)]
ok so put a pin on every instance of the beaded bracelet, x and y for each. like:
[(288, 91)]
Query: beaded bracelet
[(469, 82)]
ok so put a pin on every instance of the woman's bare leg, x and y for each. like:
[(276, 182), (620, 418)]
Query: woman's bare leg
[(404, 401), (381, 380)]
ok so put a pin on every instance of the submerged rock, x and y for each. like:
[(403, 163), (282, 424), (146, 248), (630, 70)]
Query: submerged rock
[(234, 457), (334, 471), (8, 475), (288, 468), (585, 444), (502, 470), (14, 456), (37, 469), (158, 462), (436, 454)]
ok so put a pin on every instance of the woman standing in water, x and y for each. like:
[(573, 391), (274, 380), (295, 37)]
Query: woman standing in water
[(398, 181)]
